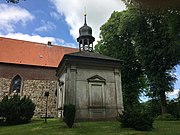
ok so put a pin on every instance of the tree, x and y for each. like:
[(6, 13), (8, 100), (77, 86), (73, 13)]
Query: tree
[(147, 41), (13, 1), (178, 98), (157, 48), (116, 41), (153, 3)]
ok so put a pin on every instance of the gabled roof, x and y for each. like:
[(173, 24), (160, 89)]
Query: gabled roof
[(31, 53), (88, 59)]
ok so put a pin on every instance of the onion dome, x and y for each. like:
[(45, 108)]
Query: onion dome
[(85, 30)]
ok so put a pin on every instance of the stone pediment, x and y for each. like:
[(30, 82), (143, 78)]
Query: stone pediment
[(96, 78)]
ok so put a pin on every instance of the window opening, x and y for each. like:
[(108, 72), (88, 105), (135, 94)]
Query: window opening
[(16, 84)]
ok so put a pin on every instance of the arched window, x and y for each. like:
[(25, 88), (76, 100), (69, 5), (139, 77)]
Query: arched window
[(16, 84)]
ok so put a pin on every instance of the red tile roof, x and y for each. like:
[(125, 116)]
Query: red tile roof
[(31, 53)]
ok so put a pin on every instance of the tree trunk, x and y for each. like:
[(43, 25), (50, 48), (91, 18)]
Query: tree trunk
[(163, 102)]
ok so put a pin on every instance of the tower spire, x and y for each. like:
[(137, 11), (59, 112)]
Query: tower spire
[(85, 38), (85, 14)]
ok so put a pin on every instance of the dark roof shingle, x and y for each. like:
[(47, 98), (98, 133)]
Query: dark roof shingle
[(86, 54)]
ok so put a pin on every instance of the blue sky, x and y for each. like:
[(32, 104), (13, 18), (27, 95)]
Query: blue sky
[(41, 21), (57, 21)]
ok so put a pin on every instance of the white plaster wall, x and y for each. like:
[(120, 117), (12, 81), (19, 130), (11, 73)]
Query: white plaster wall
[(82, 90), (84, 72), (76, 88)]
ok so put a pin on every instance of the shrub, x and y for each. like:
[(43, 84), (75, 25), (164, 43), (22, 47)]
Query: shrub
[(153, 107), (17, 110), (165, 117), (26, 109), (69, 114), (136, 120), (174, 108)]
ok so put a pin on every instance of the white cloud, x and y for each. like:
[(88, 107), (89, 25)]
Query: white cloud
[(39, 39), (173, 94), (46, 26), (55, 15), (98, 12), (10, 15)]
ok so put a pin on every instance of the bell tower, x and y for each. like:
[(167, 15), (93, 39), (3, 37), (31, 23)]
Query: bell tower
[(85, 38)]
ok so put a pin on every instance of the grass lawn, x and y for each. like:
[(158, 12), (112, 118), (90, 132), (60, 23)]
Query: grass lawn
[(56, 127)]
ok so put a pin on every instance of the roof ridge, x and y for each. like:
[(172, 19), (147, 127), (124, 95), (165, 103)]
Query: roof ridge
[(18, 40)]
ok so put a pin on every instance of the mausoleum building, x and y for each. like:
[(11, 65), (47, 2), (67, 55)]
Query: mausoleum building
[(90, 81)]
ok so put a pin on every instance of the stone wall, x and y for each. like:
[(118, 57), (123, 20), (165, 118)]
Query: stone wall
[(35, 81), (27, 72), (35, 90), (4, 87)]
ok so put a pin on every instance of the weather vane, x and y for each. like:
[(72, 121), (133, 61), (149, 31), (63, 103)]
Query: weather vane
[(85, 13)]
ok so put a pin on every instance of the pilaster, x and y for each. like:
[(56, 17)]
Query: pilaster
[(119, 97)]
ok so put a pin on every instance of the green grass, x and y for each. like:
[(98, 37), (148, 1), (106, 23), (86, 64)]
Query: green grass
[(56, 127)]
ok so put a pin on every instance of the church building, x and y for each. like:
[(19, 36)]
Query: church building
[(29, 68), (90, 81)]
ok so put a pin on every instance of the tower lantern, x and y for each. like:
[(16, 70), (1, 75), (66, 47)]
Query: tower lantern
[(85, 38)]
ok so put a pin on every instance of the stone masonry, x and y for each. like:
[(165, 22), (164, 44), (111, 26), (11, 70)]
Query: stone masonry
[(35, 81), (35, 90), (4, 87)]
